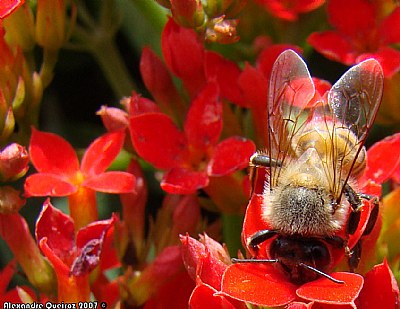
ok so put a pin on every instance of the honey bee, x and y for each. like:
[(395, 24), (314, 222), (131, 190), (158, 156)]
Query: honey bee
[(314, 157)]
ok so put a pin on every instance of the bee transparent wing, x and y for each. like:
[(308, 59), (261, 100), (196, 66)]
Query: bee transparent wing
[(353, 103), (355, 98), (291, 88)]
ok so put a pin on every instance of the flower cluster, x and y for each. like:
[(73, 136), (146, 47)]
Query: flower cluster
[(175, 154)]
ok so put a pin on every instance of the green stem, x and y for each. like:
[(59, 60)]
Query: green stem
[(232, 230), (109, 59)]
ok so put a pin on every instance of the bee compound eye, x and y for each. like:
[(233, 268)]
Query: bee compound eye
[(296, 250), (320, 255)]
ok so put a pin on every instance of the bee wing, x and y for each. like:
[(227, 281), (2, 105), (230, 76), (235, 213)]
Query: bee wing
[(291, 89), (355, 98), (353, 103)]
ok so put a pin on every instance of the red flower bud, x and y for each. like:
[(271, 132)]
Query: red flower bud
[(188, 13), (14, 161), (11, 201)]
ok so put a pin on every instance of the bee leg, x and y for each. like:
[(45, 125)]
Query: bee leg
[(354, 199), (372, 217), (354, 256), (355, 202), (258, 238), (257, 160)]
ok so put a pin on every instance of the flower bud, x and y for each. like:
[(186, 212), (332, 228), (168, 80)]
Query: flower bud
[(20, 28), (188, 13), (10, 200), (114, 119), (7, 128), (216, 8), (222, 31), (50, 24), (14, 161)]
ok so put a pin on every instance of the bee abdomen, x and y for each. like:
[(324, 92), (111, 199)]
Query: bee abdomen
[(338, 147)]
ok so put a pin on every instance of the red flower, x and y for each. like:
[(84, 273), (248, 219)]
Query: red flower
[(192, 156), (181, 46), (206, 261), (224, 285), (380, 289), (58, 168), (360, 33), (291, 9), (72, 258), (9, 6)]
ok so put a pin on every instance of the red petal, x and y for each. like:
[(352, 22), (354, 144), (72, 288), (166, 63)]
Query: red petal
[(261, 285), (203, 124), (180, 47), (389, 29), (359, 19), (59, 231), (289, 10), (50, 153), (204, 296), (94, 230), (333, 46), (183, 181), (230, 155), (254, 86), (90, 240), (101, 152), (226, 73), (325, 291), (114, 119), (382, 159), (193, 251), (6, 275), (253, 218), (61, 268), (138, 105), (297, 305), (174, 293), (212, 270), (380, 288), (43, 184), (159, 82), (388, 57), (185, 211), (9, 6), (166, 266), (205, 259), (157, 139), (111, 182), (267, 58), (215, 249)]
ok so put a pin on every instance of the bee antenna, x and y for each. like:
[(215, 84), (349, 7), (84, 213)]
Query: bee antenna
[(321, 273), (254, 261)]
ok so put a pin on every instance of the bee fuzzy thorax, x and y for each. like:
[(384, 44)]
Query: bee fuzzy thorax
[(302, 204)]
